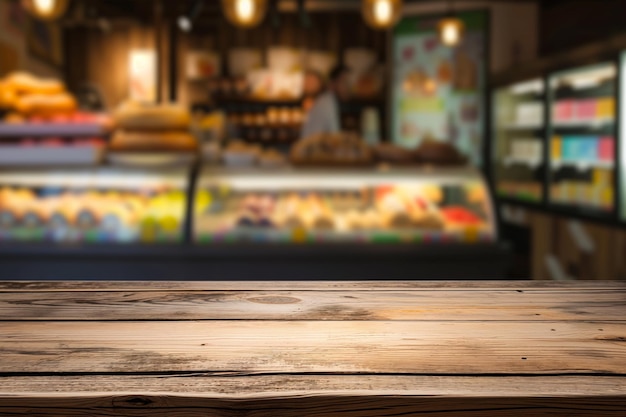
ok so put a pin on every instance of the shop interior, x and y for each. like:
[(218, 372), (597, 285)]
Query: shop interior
[(312, 139)]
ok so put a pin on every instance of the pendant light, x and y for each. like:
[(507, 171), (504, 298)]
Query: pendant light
[(245, 13), (185, 22), (450, 29), (46, 9), (382, 14)]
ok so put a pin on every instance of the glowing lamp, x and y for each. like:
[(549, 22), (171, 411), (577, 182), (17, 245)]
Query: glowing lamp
[(382, 14), (244, 13), (451, 31), (46, 9)]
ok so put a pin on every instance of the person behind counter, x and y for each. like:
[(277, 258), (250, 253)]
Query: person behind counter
[(323, 116)]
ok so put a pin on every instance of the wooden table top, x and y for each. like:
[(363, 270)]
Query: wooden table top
[(312, 349)]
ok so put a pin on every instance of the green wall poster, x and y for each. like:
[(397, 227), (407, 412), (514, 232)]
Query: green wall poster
[(438, 92)]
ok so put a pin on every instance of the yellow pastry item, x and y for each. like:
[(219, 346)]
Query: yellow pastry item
[(23, 83), (8, 97), (46, 105), (142, 117), (129, 141)]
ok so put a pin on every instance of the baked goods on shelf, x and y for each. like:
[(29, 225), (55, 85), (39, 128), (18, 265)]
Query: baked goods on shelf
[(387, 152), (153, 134), (36, 108), (23, 83), (331, 149), (438, 153), (150, 117), (272, 158), (239, 153), (147, 141), (45, 105), (32, 96)]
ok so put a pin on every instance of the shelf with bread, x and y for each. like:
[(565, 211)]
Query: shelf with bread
[(97, 205), (357, 205), (152, 135), (43, 126)]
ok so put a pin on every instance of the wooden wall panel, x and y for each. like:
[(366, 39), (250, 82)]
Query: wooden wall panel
[(552, 236), (99, 58), (541, 244)]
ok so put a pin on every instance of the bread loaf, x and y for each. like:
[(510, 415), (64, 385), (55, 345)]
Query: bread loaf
[(125, 141), (46, 105), (23, 84), (135, 116)]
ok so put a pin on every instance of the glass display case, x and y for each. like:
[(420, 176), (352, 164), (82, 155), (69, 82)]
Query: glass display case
[(96, 205), (385, 205), (582, 134), (519, 140), (622, 147)]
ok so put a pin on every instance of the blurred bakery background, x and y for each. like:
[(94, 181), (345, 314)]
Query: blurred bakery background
[(312, 139)]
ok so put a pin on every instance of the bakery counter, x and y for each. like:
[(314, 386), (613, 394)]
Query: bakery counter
[(361, 349), (261, 223)]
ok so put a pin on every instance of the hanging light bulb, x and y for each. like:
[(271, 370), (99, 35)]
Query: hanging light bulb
[(244, 10), (382, 14), (451, 31), (44, 6), (245, 13), (451, 28), (185, 21), (46, 9)]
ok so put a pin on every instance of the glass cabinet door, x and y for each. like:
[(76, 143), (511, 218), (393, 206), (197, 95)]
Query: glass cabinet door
[(622, 156), (519, 140), (582, 138)]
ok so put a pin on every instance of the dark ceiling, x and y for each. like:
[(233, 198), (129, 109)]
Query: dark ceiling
[(144, 10)]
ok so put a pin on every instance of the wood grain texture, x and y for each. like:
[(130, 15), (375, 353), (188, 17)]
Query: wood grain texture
[(357, 349), (252, 347), (265, 386), (317, 286), (366, 405), (418, 304)]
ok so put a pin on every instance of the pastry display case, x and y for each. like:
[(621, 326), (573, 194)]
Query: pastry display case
[(99, 205), (350, 205), (582, 134), (622, 147), (519, 141)]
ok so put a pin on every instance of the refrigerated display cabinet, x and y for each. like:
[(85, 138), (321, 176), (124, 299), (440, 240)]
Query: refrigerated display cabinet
[(582, 134), (359, 206), (131, 224), (518, 141), (90, 206), (622, 147)]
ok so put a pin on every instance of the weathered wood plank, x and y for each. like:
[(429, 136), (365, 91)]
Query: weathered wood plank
[(12, 286), (487, 305), (270, 386), (253, 347), (370, 405)]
